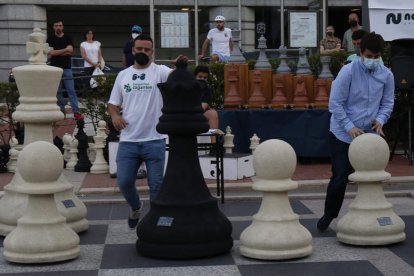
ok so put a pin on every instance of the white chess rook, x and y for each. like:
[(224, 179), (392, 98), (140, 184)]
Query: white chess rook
[(275, 232), (41, 235), (370, 219)]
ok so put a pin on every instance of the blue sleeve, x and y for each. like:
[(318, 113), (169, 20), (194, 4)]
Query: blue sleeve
[(387, 100), (339, 97)]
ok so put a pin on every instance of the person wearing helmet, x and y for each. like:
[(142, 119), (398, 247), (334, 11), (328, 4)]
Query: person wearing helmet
[(220, 38), (127, 54)]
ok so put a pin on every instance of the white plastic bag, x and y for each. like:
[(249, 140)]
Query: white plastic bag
[(97, 72)]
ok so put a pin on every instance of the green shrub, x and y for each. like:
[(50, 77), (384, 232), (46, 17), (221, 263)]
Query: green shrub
[(337, 61), (9, 100)]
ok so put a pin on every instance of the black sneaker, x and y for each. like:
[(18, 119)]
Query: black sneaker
[(141, 174), (133, 217), (324, 222)]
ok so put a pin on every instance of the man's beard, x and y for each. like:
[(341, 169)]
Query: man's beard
[(220, 28)]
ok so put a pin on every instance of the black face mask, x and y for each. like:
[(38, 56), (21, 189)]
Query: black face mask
[(141, 59), (329, 33), (353, 23)]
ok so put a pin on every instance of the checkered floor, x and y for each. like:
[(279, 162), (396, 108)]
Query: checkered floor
[(108, 248)]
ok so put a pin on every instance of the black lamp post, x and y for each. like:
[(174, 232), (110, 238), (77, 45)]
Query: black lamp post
[(184, 220)]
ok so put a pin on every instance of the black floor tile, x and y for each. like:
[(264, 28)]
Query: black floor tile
[(121, 211), (96, 234), (405, 249), (354, 268), (99, 211), (125, 256), (249, 208), (60, 273)]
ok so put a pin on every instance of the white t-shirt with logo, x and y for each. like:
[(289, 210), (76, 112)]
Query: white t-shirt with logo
[(91, 51), (220, 41), (136, 91)]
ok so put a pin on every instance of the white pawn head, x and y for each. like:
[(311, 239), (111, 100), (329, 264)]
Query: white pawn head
[(369, 154), (102, 124), (40, 162), (274, 162)]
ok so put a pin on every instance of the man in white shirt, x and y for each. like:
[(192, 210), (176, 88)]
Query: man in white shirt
[(135, 92), (221, 43)]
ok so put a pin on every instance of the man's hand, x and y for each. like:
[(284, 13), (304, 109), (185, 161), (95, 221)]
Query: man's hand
[(377, 127), (355, 132), (119, 122), (181, 58)]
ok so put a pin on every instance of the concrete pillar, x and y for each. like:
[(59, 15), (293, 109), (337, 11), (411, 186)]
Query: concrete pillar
[(232, 16), (16, 23)]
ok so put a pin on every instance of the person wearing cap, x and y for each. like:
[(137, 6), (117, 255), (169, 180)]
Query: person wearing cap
[(221, 43), (128, 55)]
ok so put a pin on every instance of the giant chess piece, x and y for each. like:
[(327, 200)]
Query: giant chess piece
[(228, 141), (233, 97), (370, 219), (303, 64), (37, 84), (184, 220), (283, 67), (99, 165), (13, 154), (254, 142), (67, 138), (262, 62), (236, 56), (325, 72), (275, 233), (84, 164), (41, 235)]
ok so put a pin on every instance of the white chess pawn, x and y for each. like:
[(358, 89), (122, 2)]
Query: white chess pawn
[(370, 219), (73, 154), (13, 154), (254, 142), (275, 232), (67, 138), (99, 165), (41, 235), (101, 131), (228, 140)]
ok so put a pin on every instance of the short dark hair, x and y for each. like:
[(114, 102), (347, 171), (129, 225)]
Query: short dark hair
[(201, 69), (373, 42), (358, 34), (144, 37), (87, 31)]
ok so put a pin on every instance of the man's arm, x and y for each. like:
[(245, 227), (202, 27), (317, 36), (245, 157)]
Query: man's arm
[(204, 48), (338, 97), (387, 101), (62, 52), (231, 45), (116, 117)]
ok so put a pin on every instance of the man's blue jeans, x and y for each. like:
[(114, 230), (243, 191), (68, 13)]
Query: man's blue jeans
[(129, 157), (70, 88), (341, 169)]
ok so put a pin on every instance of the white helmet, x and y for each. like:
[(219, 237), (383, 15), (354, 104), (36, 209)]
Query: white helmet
[(220, 18)]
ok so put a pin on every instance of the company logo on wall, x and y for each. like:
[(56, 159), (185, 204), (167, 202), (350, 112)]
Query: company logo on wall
[(398, 18)]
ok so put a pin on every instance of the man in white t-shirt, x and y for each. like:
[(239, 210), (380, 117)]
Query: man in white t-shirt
[(221, 43), (135, 106)]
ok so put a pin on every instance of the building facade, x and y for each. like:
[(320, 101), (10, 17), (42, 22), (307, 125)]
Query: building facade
[(112, 21)]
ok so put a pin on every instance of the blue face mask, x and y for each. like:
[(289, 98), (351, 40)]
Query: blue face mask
[(371, 63)]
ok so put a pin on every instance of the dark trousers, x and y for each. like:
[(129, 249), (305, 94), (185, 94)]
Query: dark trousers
[(341, 169)]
